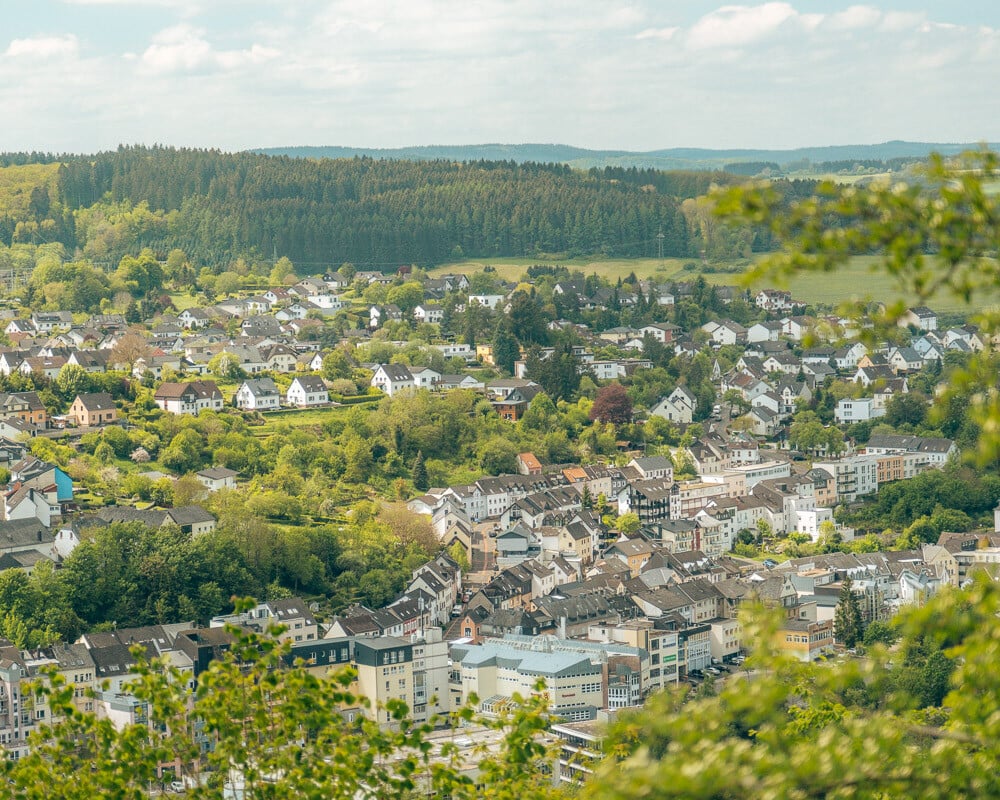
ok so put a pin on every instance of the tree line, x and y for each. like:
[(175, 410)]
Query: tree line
[(218, 207)]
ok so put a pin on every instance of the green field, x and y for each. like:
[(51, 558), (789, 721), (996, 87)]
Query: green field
[(855, 280), (512, 269), (183, 300), (304, 418)]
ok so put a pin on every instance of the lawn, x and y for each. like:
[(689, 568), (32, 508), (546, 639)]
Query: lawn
[(183, 300), (304, 418)]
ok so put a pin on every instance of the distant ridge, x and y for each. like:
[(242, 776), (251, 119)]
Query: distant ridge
[(671, 158)]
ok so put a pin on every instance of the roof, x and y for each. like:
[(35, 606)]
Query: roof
[(259, 387), (310, 383), (396, 372), (217, 473), (97, 401)]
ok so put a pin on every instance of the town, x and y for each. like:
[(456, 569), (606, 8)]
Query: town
[(611, 565)]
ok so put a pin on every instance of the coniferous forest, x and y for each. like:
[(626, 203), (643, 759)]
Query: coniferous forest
[(378, 213)]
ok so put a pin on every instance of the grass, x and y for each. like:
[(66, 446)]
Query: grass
[(512, 269), (860, 278), (183, 300), (303, 418), (857, 279)]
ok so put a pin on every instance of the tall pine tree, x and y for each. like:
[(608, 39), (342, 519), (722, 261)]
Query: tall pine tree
[(848, 627), (505, 347), (421, 482)]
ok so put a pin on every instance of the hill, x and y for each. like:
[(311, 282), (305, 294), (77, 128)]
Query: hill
[(378, 213), (678, 158)]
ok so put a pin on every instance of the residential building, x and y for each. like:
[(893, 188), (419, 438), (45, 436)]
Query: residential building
[(307, 390), (92, 410), (189, 398), (216, 478)]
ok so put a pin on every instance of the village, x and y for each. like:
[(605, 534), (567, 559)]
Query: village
[(609, 579)]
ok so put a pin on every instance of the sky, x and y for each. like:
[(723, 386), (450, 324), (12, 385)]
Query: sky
[(87, 75)]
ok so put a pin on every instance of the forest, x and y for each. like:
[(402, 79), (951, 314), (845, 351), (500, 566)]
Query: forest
[(218, 207)]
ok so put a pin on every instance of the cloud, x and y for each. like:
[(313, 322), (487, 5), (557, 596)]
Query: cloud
[(183, 48), (43, 47), (732, 26), (634, 74), (664, 34), (855, 17)]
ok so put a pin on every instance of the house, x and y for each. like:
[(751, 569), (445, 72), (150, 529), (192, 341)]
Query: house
[(663, 332), (190, 519), (491, 301), (528, 464), (428, 312), (763, 422), (905, 359), (279, 358), (379, 315), (192, 318), (768, 331), (678, 406), (217, 478), (93, 361), (46, 321), (291, 613), (513, 405), (91, 410), (849, 411), (424, 377), (46, 366), (392, 378), (188, 398), (726, 332), (920, 317), (307, 390), (24, 406), (257, 394), (38, 474), (774, 300)]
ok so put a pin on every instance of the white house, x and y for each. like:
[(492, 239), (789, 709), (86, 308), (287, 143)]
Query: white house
[(217, 478), (491, 301), (861, 409), (678, 406), (188, 398), (257, 394), (392, 378), (307, 390)]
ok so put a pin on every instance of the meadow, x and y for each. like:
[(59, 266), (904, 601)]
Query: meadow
[(858, 279)]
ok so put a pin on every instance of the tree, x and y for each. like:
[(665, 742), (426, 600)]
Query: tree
[(906, 409), (934, 235), (418, 473), (612, 404), (226, 366), (277, 730), (506, 349), (629, 523), (337, 365), (498, 455), (848, 626), (407, 296), (282, 270), (128, 349), (72, 380)]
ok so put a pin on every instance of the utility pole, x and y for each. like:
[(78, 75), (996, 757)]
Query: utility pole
[(659, 243)]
